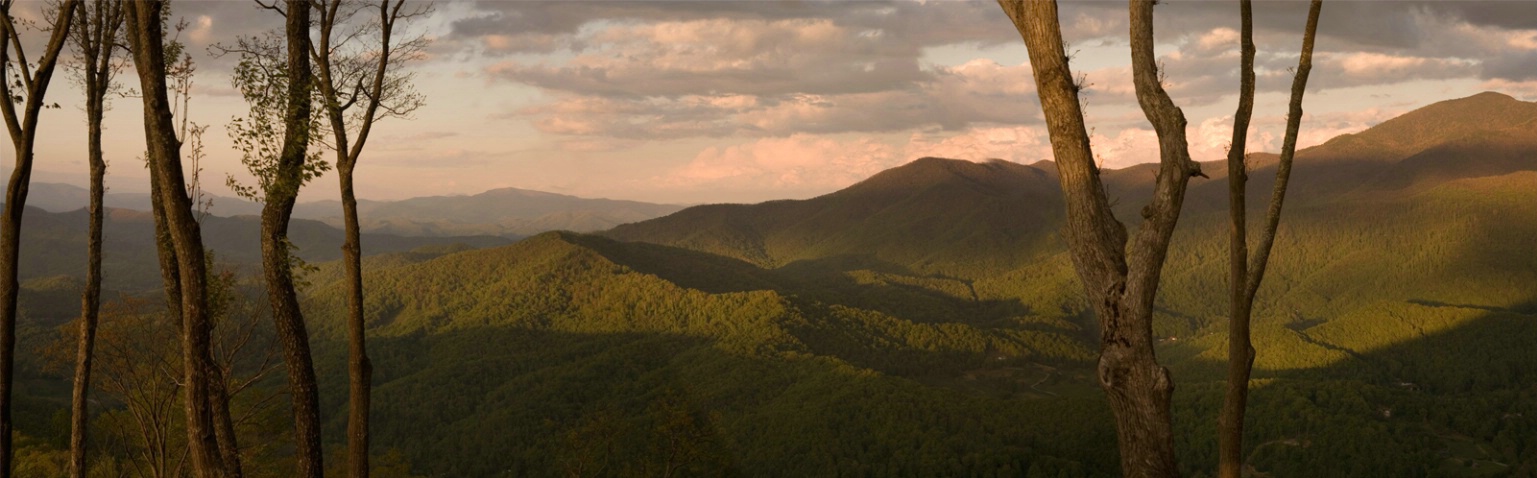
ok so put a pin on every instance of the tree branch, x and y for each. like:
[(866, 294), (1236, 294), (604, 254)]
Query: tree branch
[(1288, 152)]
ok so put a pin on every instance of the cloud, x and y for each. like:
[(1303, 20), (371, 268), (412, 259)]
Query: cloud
[(1515, 66), (1127, 147), (908, 24), (810, 56), (637, 118), (1524, 90), (978, 92), (658, 69), (1210, 140), (1338, 69), (814, 164), (799, 162)]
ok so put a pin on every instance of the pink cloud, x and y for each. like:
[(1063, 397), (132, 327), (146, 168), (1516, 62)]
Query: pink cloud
[(724, 56), (797, 162), (805, 163), (1524, 90)]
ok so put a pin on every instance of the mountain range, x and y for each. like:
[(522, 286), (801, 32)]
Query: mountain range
[(939, 292), (507, 212), (927, 322)]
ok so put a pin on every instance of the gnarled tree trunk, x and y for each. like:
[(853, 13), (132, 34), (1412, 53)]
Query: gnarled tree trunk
[(1120, 281)]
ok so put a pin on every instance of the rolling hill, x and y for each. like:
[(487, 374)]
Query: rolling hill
[(53, 244)]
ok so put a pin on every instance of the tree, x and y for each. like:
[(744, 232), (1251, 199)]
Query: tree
[(96, 37), (350, 68), (1120, 279), (1245, 272), (146, 35), (25, 84), (180, 70), (284, 89)]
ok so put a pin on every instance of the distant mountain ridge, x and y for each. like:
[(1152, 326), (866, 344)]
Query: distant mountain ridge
[(503, 212), (53, 244), (930, 213), (506, 212), (936, 212)]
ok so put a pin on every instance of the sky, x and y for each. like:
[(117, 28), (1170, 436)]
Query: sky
[(709, 101)]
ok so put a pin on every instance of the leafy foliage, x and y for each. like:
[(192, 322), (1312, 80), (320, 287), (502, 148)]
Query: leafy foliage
[(262, 79)]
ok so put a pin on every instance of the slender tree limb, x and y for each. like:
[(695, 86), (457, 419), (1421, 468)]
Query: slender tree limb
[(1288, 152), (1245, 272)]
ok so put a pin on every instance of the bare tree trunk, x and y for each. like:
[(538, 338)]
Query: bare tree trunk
[(96, 30), (23, 131), (1245, 274), (358, 366), (1240, 352), (146, 38), (1121, 282), (276, 262)]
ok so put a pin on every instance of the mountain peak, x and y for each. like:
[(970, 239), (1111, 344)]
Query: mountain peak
[(1432, 125), (929, 171), (517, 192)]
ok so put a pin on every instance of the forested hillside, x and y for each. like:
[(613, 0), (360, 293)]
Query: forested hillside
[(53, 243), (878, 326), (926, 322)]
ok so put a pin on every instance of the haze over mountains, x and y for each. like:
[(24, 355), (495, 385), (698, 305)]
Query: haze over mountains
[(52, 244), (927, 322), (507, 212)]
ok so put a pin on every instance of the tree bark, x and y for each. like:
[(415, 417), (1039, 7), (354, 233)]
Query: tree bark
[(23, 131), (146, 39), (223, 423), (1120, 282), (1245, 274), (281, 194)]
